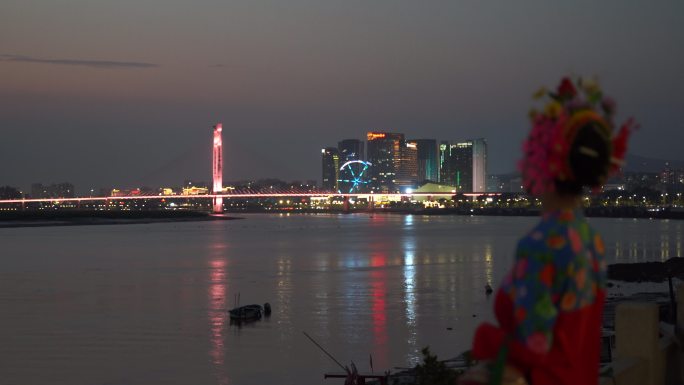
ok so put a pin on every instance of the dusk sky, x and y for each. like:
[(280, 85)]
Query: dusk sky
[(124, 93)]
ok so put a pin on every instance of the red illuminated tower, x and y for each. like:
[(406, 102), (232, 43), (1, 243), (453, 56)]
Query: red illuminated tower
[(217, 168)]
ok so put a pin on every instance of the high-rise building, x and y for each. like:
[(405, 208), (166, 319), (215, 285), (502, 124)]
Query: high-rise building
[(331, 168), (428, 160), (671, 180), (54, 190), (464, 165), (456, 160), (479, 165), (494, 183), (407, 176), (350, 149), (384, 153)]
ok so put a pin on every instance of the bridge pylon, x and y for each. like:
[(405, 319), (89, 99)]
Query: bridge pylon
[(217, 169)]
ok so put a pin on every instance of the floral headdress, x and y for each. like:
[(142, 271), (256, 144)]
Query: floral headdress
[(547, 149)]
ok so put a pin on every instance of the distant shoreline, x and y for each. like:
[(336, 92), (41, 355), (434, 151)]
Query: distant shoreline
[(591, 212), (89, 218), (45, 218)]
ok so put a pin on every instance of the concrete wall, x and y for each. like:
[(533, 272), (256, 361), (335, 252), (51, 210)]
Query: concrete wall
[(646, 351)]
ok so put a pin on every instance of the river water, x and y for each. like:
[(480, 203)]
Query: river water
[(146, 304)]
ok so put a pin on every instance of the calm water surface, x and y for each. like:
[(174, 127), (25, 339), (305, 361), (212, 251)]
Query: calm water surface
[(146, 304)]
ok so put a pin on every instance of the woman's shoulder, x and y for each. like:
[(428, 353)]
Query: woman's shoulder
[(548, 236), (561, 241)]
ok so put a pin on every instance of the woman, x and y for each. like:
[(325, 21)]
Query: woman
[(550, 305)]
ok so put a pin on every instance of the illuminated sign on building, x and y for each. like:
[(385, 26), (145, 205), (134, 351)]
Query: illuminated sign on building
[(375, 135)]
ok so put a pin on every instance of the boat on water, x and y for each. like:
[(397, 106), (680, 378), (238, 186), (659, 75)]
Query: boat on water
[(246, 313)]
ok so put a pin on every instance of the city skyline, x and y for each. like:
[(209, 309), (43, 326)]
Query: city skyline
[(394, 163), (123, 94), (348, 149)]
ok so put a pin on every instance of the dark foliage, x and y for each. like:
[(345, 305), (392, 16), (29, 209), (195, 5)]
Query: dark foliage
[(432, 371)]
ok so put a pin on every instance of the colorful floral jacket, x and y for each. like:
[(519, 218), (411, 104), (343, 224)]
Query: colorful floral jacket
[(549, 307)]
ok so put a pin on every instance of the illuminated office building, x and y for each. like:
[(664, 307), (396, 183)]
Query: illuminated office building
[(350, 149), (428, 160), (479, 165), (464, 165), (330, 162), (407, 176), (384, 152)]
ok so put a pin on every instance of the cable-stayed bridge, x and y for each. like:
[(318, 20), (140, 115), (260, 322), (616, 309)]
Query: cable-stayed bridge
[(218, 193)]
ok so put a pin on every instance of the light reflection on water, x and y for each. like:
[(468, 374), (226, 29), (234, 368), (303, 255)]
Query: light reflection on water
[(410, 303), (638, 240), (489, 270), (147, 303), (217, 316)]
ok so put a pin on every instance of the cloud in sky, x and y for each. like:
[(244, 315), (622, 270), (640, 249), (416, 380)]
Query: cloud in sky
[(78, 62)]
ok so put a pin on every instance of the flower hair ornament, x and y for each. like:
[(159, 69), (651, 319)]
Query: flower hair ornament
[(572, 106)]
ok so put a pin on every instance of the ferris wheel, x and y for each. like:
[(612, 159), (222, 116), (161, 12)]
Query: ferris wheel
[(353, 176)]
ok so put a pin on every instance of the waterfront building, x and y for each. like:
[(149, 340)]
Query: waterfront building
[(479, 165), (198, 190), (494, 183), (456, 160), (54, 190), (189, 183), (384, 152), (464, 165), (350, 149), (671, 180), (9, 192), (428, 159), (330, 164), (407, 175), (515, 185), (438, 192), (641, 180)]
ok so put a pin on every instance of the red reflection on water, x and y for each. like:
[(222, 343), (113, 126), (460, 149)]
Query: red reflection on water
[(379, 309), (377, 219), (378, 260), (217, 315)]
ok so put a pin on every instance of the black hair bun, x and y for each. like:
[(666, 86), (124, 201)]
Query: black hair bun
[(589, 159)]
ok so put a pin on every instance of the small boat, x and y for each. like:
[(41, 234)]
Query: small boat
[(246, 313)]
